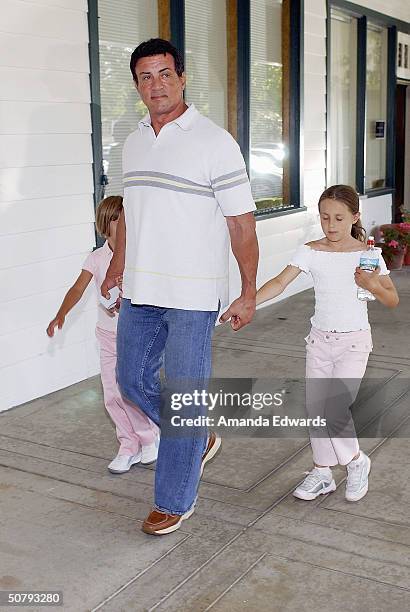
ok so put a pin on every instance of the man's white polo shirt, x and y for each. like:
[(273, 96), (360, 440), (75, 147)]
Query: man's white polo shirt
[(178, 188)]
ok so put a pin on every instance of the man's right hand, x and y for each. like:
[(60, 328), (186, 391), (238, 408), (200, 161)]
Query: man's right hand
[(112, 279)]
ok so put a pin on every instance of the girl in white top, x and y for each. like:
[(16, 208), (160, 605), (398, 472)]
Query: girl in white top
[(136, 433), (339, 342)]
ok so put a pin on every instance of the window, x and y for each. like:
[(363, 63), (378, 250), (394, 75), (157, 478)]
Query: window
[(365, 49), (267, 151), (245, 93), (376, 103), (122, 26), (206, 58), (343, 57)]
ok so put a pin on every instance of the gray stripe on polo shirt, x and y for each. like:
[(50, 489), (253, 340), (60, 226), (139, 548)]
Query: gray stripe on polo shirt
[(171, 177), (224, 177), (241, 181), (147, 183)]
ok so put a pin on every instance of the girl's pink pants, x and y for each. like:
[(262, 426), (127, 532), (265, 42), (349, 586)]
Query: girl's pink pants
[(335, 365), (134, 429)]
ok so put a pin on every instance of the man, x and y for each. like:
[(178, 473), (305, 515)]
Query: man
[(186, 192)]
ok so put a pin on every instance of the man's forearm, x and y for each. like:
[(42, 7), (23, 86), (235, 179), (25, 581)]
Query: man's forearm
[(242, 231)]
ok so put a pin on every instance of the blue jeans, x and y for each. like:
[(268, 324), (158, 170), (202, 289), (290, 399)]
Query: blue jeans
[(147, 338)]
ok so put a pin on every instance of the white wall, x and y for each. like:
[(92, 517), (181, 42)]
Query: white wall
[(399, 9), (46, 201), (375, 211)]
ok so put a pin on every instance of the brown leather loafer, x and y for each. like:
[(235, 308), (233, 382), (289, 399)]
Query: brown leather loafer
[(161, 523), (213, 446)]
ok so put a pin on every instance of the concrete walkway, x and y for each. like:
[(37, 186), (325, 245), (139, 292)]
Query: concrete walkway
[(67, 524)]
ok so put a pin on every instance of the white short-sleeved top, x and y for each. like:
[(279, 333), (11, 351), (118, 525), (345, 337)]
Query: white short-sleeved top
[(178, 188), (97, 263), (337, 307)]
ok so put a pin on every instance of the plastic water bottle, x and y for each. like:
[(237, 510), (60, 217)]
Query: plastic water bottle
[(369, 261)]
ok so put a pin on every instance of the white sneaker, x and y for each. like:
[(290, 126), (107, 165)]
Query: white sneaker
[(122, 463), (317, 482), (149, 453), (357, 483)]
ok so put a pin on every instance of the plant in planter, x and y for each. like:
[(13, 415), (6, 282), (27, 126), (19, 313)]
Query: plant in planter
[(404, 226), (394, 246), (405, 215), (406, 261)]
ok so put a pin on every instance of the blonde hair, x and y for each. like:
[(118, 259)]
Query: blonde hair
[(108, 210)]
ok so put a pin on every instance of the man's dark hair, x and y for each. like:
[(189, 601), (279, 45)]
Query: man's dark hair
[(156, 46)]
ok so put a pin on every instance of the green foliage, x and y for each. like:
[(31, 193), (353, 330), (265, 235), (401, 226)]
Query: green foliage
[(266, 103)]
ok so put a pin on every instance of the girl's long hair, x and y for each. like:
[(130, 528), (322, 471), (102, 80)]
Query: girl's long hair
[(349, 197)]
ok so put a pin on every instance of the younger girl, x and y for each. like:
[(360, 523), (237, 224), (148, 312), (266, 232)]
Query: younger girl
[(136, 433), (339, 342)]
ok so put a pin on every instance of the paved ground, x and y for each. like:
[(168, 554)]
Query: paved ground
[(67, 524)]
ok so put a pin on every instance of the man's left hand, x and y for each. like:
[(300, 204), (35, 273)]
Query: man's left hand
[(240, 312)]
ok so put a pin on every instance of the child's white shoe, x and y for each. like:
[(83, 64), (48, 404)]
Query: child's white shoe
[(122, 463), (318, 482), (149, 453), (357, 483)]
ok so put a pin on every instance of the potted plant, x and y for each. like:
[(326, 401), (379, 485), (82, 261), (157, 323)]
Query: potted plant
[(394, 246), (406, 260), (404, 226)]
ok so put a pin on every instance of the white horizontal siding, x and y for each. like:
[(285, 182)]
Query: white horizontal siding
[(314, 177), (315, 139), (25, 18), (315, 8), (48, 372), (36, 311), (44, 53), (46, 195), (44, 181), (22, 249), (315, 23), (73, 5), (44, 213), (45, 150), (44, 85), (314, 64), (316, 44), (315, 84), (22, 117), (314, 159), (26, 343), (40, 277)]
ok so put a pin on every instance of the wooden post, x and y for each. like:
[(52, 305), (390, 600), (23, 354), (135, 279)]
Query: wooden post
[(164, 19), (232, 56)]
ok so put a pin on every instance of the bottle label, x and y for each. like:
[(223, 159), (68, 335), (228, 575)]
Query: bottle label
[(369, 263)]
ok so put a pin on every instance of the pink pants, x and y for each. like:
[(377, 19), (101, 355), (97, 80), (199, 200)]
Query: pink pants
[(134, 429), (339, 360)]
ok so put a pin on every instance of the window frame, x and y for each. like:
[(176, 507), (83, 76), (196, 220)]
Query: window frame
[(95, 107), (292, 106), (363, 15)]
